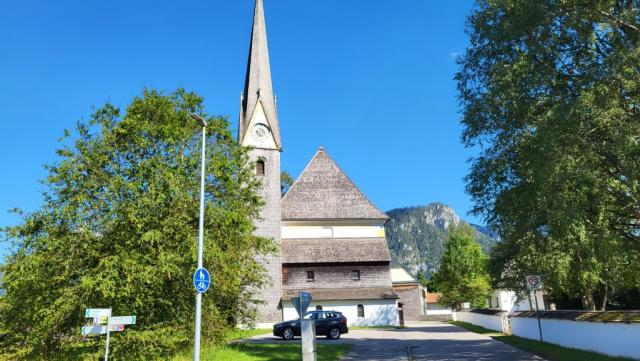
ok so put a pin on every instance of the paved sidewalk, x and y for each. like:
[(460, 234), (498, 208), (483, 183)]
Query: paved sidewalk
[(435, 341)]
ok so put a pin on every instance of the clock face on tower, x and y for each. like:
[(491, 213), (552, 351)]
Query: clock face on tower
[(260, 133)]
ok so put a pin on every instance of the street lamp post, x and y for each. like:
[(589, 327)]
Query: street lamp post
[(196, 346)]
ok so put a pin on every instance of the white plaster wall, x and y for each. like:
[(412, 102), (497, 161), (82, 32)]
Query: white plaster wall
[(438, 312), (332, 231), (307, 232), (334, 222), (614, 339), (437, 306), (487, 321), (526, 327), (376, 312)]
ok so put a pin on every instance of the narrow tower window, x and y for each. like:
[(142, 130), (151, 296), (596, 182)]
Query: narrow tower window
[(360, 311), (260, 167), (355, 275), (310, 276)]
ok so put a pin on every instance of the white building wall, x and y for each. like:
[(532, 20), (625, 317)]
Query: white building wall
[(376, 312), (301, 232), (338, 229), (437, 309), (508, 301)]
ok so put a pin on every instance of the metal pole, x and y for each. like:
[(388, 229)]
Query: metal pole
[(196, 347), (106, 351), (538, 315)]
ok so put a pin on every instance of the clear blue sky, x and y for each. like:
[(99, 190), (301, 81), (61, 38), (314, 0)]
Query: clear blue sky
[(371, 80)]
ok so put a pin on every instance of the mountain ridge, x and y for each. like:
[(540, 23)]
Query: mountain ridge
[(416, 235)]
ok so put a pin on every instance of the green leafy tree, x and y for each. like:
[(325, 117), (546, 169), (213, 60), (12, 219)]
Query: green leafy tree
[(285, 182), (118, 228), (550, 92), (463, 275), (427, 283)]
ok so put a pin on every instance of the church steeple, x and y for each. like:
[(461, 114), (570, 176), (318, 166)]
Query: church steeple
[(259, 129), (258, 104)]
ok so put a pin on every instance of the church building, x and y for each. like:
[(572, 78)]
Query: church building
[(330, 236)]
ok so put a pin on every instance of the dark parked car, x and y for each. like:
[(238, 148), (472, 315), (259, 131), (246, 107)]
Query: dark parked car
[(329, 323)]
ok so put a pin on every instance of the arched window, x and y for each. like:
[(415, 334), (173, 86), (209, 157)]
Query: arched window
[(361, 311), (318, 308), (260, 167)]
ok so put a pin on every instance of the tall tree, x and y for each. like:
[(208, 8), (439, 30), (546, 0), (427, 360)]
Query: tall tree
[(463, 275), (118, 228), (550, 92), (286, 181)]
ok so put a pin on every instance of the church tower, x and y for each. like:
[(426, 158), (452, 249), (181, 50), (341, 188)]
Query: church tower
[(259, 129)]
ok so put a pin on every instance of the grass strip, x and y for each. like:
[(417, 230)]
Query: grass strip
[(266, 352), (547, 350), (247, 351)]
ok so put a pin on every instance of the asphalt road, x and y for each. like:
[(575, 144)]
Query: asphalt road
[(421, 341)]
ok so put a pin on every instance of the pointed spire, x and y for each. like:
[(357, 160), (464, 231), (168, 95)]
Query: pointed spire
[(257, 86)]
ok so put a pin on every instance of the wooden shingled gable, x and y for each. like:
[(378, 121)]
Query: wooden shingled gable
[(323, 191)]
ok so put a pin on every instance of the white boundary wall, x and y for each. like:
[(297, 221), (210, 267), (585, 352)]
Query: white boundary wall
[(613, 338), (438, 312), (487, 321), (376, 312)]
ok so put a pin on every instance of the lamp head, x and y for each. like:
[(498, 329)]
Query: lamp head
[(202, 122)]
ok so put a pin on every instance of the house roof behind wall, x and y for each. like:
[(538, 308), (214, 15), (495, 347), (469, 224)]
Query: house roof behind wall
[(433, 297)]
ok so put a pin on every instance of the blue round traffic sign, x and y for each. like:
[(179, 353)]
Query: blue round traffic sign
[(201, 280)]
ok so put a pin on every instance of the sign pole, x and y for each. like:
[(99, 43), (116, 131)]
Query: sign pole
[(307, 329), (538, 315), (106, 351), (534, 283), (196, 346)]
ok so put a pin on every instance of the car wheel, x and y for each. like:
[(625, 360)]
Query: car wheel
[(287, 334), (334, 333)]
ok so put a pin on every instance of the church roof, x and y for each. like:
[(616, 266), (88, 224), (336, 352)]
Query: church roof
[(323, 192), (335, 250), (324, 294), (258, 86)]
